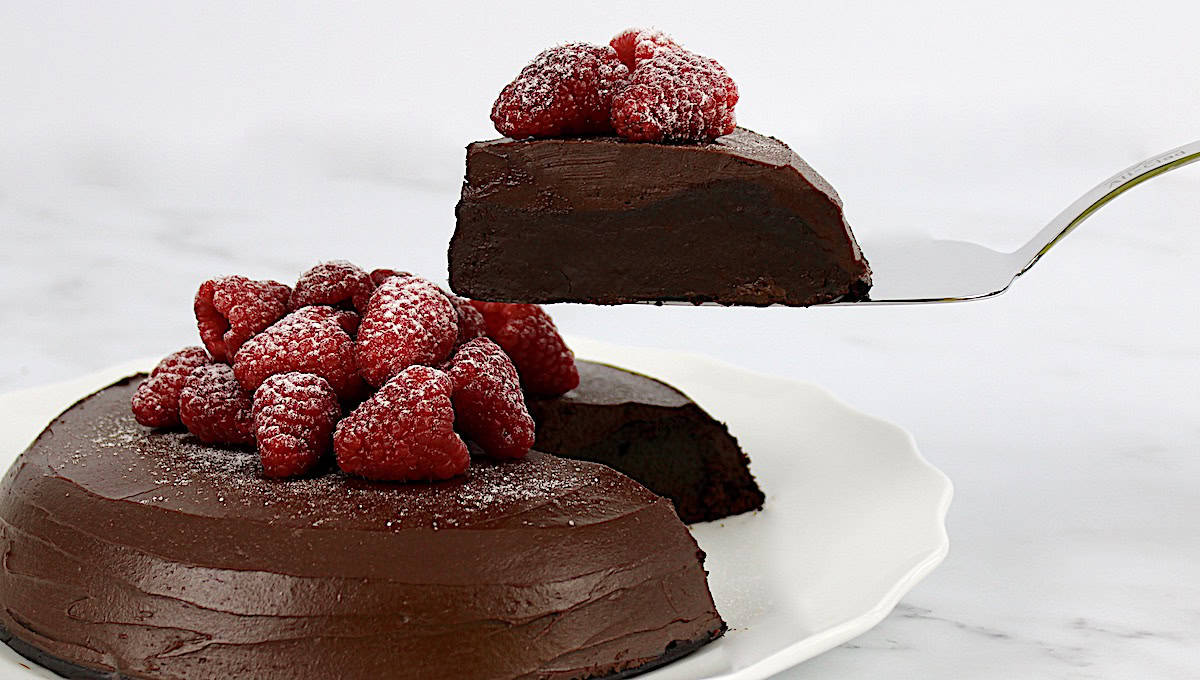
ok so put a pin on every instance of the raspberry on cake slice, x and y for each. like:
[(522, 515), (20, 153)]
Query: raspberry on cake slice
[(675, 96), (565, 90), (635, 44)]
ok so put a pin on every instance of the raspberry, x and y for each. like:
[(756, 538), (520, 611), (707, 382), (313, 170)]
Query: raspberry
[(378, 276), (488, 402), (294, 417), (309, 340), (565, 90), (156, 401), (337, 283), (231, 309), (408, 321), (470, 320), (635, 44), (527, 334), (404, 432), (675, 95), (215, 408), (345, 318)]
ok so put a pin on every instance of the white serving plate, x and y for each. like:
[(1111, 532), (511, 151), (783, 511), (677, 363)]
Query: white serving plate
[(854, 518)]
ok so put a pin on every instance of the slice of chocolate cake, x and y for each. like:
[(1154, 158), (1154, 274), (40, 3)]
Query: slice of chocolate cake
[(738, 221), (653, 433)]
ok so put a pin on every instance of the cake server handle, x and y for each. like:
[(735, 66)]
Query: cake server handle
[(1098, 197)]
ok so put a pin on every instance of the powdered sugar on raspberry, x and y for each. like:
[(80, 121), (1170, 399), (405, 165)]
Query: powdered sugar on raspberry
[(294, 418), (231, 309), (676, 95), (565, 90), (156, 401), (470, 322), (488, 403), (215, 408), (635, 44), (336, 283), (405, 432), (309, 340), (409, 321)]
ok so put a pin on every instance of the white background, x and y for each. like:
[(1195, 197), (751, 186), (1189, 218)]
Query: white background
[(145, 146)]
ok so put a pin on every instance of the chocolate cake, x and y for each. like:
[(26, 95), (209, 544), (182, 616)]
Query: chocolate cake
[(136, 553), (652, 432), (738, 221)]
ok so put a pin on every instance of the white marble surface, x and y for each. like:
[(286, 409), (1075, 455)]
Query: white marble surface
[(147, 148)]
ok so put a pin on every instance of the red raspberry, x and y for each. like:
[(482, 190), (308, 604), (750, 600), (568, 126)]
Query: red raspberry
[(470, 320), (378, 276), (294, 417), (345, 318), (675, 95), (156, 401), (488, 403), (337, 283), (404, 432), (215, 408), (635, 44), (231, 309), (309, 340), (527, 334), (565, 90), (408, 321)]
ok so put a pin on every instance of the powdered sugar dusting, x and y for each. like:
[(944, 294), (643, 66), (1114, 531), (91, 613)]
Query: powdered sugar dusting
[(309, 340), (107, 453), (488, 401), (337, 283), (676, 95), (408, 321), (231, 309), (565, 90), (405, 431)]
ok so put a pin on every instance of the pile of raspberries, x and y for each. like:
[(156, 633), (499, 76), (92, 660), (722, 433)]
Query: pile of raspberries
[(642, 86), (385, 369)]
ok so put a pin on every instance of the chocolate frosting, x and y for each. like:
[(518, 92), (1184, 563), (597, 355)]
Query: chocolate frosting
[(155, 556), (742, 220)]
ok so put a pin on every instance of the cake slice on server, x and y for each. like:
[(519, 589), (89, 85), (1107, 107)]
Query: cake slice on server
[(623, 178)]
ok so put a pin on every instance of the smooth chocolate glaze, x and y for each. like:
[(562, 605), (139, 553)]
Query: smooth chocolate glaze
[(740, 221), (653, 433), (145, 554)]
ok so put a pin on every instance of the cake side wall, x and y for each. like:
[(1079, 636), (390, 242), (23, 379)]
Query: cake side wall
[(567, 221)]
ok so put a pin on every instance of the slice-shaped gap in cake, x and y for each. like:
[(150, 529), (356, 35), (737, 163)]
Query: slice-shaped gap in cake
[(652, 432)]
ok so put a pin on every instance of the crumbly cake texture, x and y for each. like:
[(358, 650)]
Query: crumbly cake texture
[(654, 433)]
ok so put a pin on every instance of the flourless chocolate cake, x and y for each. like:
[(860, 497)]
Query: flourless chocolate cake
[(138, 553)]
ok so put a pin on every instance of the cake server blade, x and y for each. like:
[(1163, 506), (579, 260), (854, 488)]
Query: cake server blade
[(924, 271)]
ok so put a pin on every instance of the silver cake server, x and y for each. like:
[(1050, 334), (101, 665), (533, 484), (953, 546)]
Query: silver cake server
[(916, 272)]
